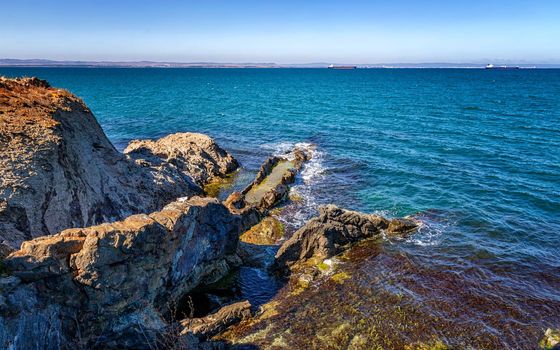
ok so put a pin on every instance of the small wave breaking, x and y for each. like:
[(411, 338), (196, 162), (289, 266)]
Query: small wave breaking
[(304, 196)]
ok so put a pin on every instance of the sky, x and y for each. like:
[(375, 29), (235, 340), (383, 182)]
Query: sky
[(288, 31)]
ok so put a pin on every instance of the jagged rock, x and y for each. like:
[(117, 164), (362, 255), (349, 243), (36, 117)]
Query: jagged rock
[(270, 186), (58, 169), (401, 226), (5, 250), (332, 232), (112, 283), (208, 326), (195, 155)]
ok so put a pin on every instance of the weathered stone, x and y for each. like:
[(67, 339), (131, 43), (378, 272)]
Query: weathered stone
[(208, 326), (330, 233), (58, 169), (268, 231), (401, 226), (196, 156), (115, 281), (271, 184), (551, 340)]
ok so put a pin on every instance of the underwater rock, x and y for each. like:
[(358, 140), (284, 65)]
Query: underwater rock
[(208, 326), (58, 170), (113, 283), (332, 232), (266, 232), (551, 340)]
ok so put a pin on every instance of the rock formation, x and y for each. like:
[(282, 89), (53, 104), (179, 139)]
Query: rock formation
[(112, 284), (333, 231), (270, 187), (196, 156), (208, 326), (58, 169)]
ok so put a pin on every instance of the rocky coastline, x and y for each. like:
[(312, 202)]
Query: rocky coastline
[(108, 250)]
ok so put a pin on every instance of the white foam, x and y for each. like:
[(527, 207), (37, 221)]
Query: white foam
[(312, 173), (429, 233)]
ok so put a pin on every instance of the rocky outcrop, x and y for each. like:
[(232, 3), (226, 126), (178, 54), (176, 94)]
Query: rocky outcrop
[(333, 231), (208, 326), (58, 169), (270, 187), (196, 156), (551, 340), (269, 231), (112, 284)]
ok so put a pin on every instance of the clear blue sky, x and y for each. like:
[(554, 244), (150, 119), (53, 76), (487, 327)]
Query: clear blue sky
[(287, 31)]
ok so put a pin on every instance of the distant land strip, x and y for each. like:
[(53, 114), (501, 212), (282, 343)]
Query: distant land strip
[(10, 62)]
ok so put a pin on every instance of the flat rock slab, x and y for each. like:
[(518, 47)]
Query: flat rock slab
[(257, 193)]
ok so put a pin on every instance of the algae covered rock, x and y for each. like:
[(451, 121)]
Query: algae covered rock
[(332, 232), (268, 231), (551, 339)]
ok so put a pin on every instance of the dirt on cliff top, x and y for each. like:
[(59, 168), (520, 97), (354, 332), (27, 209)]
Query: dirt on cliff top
[(28, 101)]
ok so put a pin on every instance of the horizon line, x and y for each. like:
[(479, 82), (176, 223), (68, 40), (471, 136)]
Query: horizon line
[(40, 62)]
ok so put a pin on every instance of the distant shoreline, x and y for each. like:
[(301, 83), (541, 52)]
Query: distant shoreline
[(41, 63)]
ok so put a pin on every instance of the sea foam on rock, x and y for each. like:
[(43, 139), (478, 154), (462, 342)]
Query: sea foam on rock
[(58, 169)]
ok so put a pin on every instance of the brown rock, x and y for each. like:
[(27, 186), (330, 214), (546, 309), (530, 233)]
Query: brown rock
[(330, 233), (196, 156), (58, 169), (115, 281), (208, 326), (401, 226)]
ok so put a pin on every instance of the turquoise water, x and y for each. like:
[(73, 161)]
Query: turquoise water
[(474, 154)]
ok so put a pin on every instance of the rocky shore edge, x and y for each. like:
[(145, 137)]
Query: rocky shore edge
[(100, 248)]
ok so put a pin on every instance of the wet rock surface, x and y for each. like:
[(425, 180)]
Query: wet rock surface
[(332, 232), (271, 184), (208, 326), (58, 169)]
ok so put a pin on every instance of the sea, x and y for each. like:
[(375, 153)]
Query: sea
[(473, 154)]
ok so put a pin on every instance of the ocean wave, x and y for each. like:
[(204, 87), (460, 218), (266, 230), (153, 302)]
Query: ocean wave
[(433, 225)]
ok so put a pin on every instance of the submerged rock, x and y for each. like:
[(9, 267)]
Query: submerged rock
[(58, 169), (269, 231), (208, 326), (112, 284), (551, 340), (332, 232)]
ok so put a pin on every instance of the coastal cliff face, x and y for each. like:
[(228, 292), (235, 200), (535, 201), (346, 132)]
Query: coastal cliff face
[(113, 284), (58, 169)]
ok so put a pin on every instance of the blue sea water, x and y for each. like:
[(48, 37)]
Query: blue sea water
[(474, 154)]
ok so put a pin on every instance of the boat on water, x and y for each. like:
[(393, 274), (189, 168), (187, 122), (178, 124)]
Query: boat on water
[(491, 66), (332, 66)]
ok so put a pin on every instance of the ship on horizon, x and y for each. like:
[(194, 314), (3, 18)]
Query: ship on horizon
[(332, 66), (491, 66)]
